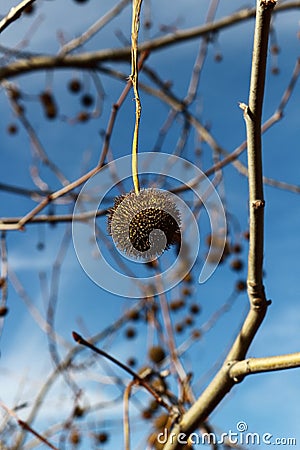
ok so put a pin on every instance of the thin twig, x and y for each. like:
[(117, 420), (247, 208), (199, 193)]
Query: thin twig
[(71, 186), (199, 63), (33, 310), (174, 356), (177, 105), (65, 365), (37, 145), (92, 60), (95, 28), (4, 269), (139, 380), (27, 427), (126, 425), (52, 304), (14, 14), (13, 222)]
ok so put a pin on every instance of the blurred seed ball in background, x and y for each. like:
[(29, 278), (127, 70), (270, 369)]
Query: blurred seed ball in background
[(49, 105), (237, 264), (74, 85), (156, 354), (102, 437), (144, 226), (3, 311), (12, 129), (87, 100), (29, 9)]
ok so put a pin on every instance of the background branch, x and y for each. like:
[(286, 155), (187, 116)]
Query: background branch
[(92, 60)]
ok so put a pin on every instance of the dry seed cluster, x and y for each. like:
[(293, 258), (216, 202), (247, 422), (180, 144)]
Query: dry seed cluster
[(134, 221)]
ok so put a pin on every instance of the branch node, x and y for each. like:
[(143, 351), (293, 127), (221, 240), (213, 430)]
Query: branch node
[(230, 365), (258, 204), (243, 107), (238, 379), (257, 295), (268, 4), (258, 303)]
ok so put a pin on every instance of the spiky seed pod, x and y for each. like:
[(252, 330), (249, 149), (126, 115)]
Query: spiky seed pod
[(196, 334), (147, 414), (237, 264), (175, 305), (49, 105), (12, 128), (160, 385), (75, 437), (161, 421), (102, 437), (83, 116), (29, 9), (78, 411), (194, 308), (144, 225), (246, 235), (236, 248), (156, 354), (154, 405), (131, 362), (3, 311), (133, 315), (179, 327), (189, 321), (241, 285), (87, 100), (74, 85), (130, 333)]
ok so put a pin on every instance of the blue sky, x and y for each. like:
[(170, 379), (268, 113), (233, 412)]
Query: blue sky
[(267, 403)]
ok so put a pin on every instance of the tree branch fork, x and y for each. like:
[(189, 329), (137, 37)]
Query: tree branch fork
[(236, 367)]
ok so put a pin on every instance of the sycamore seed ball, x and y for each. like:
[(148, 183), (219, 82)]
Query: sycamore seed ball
[(144, 225)]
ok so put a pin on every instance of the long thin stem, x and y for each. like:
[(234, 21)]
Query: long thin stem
[(136, 9)]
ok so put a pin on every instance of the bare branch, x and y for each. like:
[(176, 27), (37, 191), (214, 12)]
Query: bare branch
[(138, 379), (27, 427), (240, 369), (14, 14), (222, 383), (252, 114), (88, 34), (92, 60)]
